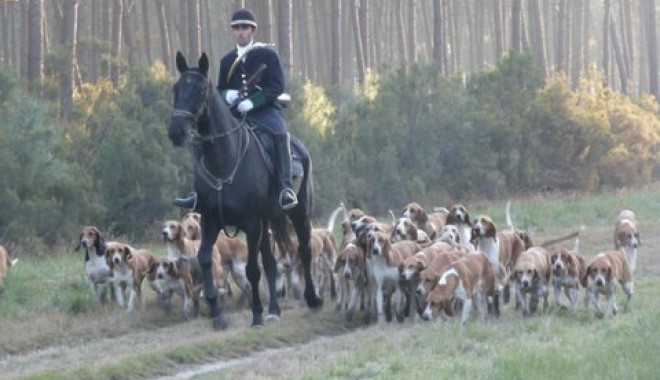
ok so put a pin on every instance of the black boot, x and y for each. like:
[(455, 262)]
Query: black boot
[(189, 202), (287, 198)]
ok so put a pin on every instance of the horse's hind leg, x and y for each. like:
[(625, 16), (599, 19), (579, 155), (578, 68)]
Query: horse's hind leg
[(304, 230), (253, 236), (270, 268)]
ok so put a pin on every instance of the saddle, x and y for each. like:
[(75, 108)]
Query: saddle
[(264, 141)]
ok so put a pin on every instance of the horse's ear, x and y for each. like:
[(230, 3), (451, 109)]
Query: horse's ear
[(181, 64), (203, 64)]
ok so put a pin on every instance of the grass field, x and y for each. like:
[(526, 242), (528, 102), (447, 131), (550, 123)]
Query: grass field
[(51, 329)]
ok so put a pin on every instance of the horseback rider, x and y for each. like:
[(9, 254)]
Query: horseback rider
[(250, 81)]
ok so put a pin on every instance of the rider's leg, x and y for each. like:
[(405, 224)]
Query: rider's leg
[(287, 197), (189, 202)]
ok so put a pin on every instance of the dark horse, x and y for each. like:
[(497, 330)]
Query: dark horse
[(235, 188)]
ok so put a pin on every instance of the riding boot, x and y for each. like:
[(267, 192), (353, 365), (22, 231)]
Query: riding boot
[(189, 202), (287, 198)]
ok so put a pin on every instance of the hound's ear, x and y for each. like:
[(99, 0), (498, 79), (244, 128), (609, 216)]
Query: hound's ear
[(203, 64), (152, 268), (127, 253), (79, 243), (609, 273), (173, 269), (108, 259), (586, 275), (420, 266), (338, 264), (181, 63), (100, 241)]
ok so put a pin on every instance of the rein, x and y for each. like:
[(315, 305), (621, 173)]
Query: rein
[(217, 182), (212, 180)]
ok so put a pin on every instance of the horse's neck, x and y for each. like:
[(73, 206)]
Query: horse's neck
[(221, 153)]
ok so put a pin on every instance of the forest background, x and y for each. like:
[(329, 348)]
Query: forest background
[(436, 101)]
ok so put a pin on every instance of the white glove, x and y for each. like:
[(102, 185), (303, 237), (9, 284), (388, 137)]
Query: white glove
[(231, 96), (245, 106)]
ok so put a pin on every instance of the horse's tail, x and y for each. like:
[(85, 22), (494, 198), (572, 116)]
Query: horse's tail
[(306, 193), (281, 225), (281, 228)]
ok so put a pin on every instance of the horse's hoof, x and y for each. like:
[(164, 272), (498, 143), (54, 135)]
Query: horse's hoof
[(314, 302), (270, 318), (220, 323), (257, 320)]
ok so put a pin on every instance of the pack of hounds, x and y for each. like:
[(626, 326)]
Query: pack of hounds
[(443, 264)]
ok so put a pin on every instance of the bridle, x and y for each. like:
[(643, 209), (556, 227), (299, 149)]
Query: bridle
[(197, 138)]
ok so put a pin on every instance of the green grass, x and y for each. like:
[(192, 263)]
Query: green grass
[(553, 346), (47, 303)]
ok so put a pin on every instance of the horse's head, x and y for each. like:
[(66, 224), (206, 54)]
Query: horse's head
[(191, 93)]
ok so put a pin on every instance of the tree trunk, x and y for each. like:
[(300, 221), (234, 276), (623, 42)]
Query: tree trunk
[(103, 50), (194, 30), (576, 38), (165, 45), (652, 48), (70, 44), (375, 27), (357, 38), (335, 33), (363, 16), (207, 37), (180, 18), (437, 36), (284, 35), (145, 32), (306, 35), (516, 26), (115, 47), (537, 34), (471, 44), (497, 28), (400, 35), (585, 33), (627, 36), (452, 41), (132, 49), (412, 34), (560, 37), (606, 41), (4, 40), (618, 54), (479, 33), (35, 51)]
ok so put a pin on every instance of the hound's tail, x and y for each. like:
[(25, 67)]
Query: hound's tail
[(509, 223), (333, 218), (575, 234)]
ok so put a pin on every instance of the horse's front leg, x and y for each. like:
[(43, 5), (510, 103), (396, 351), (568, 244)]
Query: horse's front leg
[(270, 268), (253, 237), (303, 229), (210, 230)]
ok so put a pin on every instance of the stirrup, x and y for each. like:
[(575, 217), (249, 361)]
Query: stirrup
[(288, 199)]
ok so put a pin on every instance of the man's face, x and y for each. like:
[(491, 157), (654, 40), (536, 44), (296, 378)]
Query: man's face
[(243, 34)]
